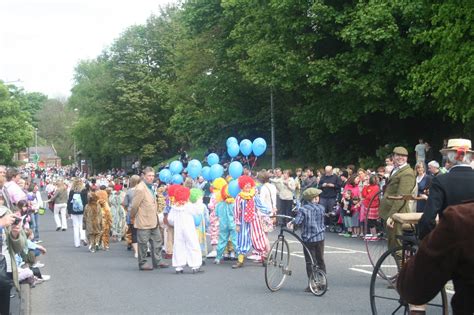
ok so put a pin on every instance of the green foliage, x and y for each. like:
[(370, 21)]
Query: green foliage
[(347, 78), (15, 128)]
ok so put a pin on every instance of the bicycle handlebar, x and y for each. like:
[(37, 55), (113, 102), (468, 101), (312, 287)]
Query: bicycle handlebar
[(281, 216)]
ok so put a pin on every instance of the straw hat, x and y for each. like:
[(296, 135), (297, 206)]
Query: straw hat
[(458, 145)]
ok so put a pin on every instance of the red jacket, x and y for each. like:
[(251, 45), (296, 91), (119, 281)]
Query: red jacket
[(367, 193)]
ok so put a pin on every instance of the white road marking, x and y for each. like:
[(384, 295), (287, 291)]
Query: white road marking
[(361, 270)]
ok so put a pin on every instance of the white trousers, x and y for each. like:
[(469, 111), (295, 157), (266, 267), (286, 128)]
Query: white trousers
[(60, 209), (79, 233)]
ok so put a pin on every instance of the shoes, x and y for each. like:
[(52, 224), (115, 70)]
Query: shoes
[(136, 255), (254, 257), (162, 265), (146, 267), (84, 243), (238, 265), (148, 254), (232, 256), (374, 239), (58, 228), (38, 241), (354, 235), (342, 234), (38, 265), (45, 277), (226, 257), (212, 254), (347, 235), (106, 248), (217, 261), (64, 230), (129, 247), (197, 270), (179, 270), (168, 256), (77, 246)]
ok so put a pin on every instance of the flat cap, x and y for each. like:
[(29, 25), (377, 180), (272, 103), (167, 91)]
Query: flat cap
[(400, 151), (310, 193)]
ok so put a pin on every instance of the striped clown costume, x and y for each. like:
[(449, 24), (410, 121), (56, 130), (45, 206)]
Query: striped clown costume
[(247, 219)]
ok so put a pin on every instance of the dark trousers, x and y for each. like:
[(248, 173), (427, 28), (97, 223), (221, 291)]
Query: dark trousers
[(328, 204), (5, 298), (286, 206), (316, 249), (152, 236)]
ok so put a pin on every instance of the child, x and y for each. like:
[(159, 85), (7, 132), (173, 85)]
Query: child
[(346, 206), (186, 249), (373, 212), (311, 217), (216, 188), (225, 213), (355, 216), (201, 219), (33, 250)]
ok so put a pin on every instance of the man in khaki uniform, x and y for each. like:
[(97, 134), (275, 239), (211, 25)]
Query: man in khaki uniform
[(144, 211), (401, 182)]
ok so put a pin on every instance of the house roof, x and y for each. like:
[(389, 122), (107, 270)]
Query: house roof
[(45, 152)]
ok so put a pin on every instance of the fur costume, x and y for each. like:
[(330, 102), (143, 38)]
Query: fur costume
[(106, 217), (92, 220)]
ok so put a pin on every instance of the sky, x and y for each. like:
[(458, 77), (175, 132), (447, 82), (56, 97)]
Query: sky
[(42, 41)]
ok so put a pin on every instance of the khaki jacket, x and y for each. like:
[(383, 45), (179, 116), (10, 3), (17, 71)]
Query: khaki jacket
[(144, 208), (400, 183)]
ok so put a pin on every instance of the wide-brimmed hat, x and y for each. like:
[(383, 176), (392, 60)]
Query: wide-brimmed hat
[(458, 144), (400, 151)]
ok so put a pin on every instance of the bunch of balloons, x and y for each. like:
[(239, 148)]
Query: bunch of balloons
[(246, 147), (216, 170)]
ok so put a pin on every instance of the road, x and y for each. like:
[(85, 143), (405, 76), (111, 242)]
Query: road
[(110, 282)]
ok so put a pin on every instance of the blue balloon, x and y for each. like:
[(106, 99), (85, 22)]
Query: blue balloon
[(176, 167), (259, 146), (233, 150), (231, 140), (194, 168), (235, 169), (234, 188), (246, 147), (165, 175), (212, 159), (216, 171), (177, 179), (206, 173)]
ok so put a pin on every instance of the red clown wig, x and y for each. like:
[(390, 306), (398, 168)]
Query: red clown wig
[(181, 194), (244, 180)]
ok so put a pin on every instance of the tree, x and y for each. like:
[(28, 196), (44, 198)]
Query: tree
[(15, 128)]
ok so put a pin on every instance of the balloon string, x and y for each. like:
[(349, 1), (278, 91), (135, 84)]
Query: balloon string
[(254, 161)]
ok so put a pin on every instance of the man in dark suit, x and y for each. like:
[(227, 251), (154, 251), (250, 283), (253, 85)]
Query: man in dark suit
[(452, 188)]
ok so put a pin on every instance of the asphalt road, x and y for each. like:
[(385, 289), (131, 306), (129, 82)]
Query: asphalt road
[(110, 282)]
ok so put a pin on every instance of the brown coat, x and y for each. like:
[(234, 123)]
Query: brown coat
[(444, 254), (144, 208)]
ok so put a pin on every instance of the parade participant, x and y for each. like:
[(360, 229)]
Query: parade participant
[(201, 219), (127, 204), (118, 213), (75, 207), (216, 188), (401, 182), (452, 188), (248, 225), (59, 199), (311, 217), (186, 248), (92, 221), (444, 254), (225, 213), (103, 200), (144, 212)]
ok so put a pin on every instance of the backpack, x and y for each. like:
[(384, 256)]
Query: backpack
[(77, 205)]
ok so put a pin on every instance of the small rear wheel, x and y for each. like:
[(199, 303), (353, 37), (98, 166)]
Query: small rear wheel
[(277, 265), (318, 283)]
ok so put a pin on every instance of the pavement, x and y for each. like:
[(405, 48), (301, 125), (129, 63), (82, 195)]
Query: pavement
[(110, 282)]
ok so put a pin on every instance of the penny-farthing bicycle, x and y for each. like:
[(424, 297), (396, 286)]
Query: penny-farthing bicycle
[(277, 265)]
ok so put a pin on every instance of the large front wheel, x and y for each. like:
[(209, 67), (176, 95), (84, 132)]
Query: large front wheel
[(277, 265)]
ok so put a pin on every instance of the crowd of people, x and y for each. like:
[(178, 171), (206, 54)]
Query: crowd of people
[(159, 220)]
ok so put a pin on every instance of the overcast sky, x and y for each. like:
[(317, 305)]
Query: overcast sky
[(41, 41)]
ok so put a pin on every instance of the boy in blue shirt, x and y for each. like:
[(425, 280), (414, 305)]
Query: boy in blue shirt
[(311, 218)]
